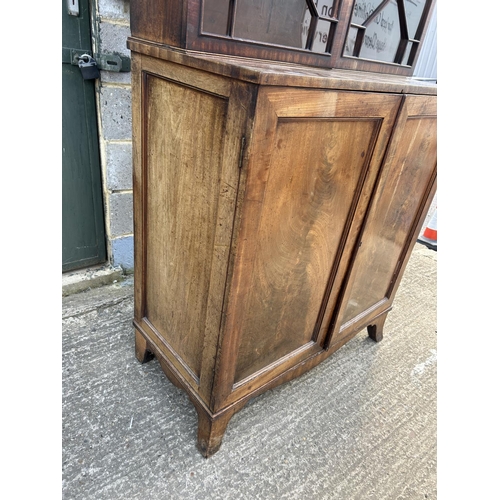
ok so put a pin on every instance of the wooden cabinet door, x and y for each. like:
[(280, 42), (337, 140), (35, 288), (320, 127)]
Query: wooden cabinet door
[(401, 199), (313, 160), (188, 128)]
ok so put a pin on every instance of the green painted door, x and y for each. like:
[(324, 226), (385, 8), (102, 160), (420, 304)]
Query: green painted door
[(83, 238)]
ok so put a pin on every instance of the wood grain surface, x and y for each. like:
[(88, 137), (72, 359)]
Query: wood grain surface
[(283, 73), (185, 130), (272, 222), (311, 154), (186, 179), (397, 205)]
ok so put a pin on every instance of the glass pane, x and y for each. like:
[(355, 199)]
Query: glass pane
[(325, 9), (215, 16), (407, 53), (414, 9), (382, 35), (271, 21), (362, 10), (349, 44), (321, 37)]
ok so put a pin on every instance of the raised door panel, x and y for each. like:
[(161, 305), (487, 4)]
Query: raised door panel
[(402, 193), (311, 156), (189, 177), (184, 167)]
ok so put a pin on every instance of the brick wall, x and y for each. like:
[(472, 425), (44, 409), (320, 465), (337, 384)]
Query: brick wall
[(111, 29)]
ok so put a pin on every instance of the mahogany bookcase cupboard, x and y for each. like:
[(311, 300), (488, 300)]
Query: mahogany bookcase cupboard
[(275, 208)]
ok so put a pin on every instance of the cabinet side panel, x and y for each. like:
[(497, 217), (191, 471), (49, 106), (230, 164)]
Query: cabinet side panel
[(185, 132), (316, 168), (403, 185)]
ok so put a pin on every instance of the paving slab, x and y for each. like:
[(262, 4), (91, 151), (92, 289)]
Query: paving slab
[(362, 425), (92, 277)]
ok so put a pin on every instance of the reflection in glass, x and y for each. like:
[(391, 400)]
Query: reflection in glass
[(362, 10), (325, 8), (382, 35), (215, 16), (349, 44), (414, 10), (321, 36), (407, 53), (376, 33), (270, 21), (276, 22)]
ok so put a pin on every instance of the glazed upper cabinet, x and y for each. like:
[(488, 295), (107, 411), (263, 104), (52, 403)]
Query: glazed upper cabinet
[(275, 208), (380, 35)]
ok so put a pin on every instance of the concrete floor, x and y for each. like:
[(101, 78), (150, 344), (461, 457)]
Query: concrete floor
[(362, 425)]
